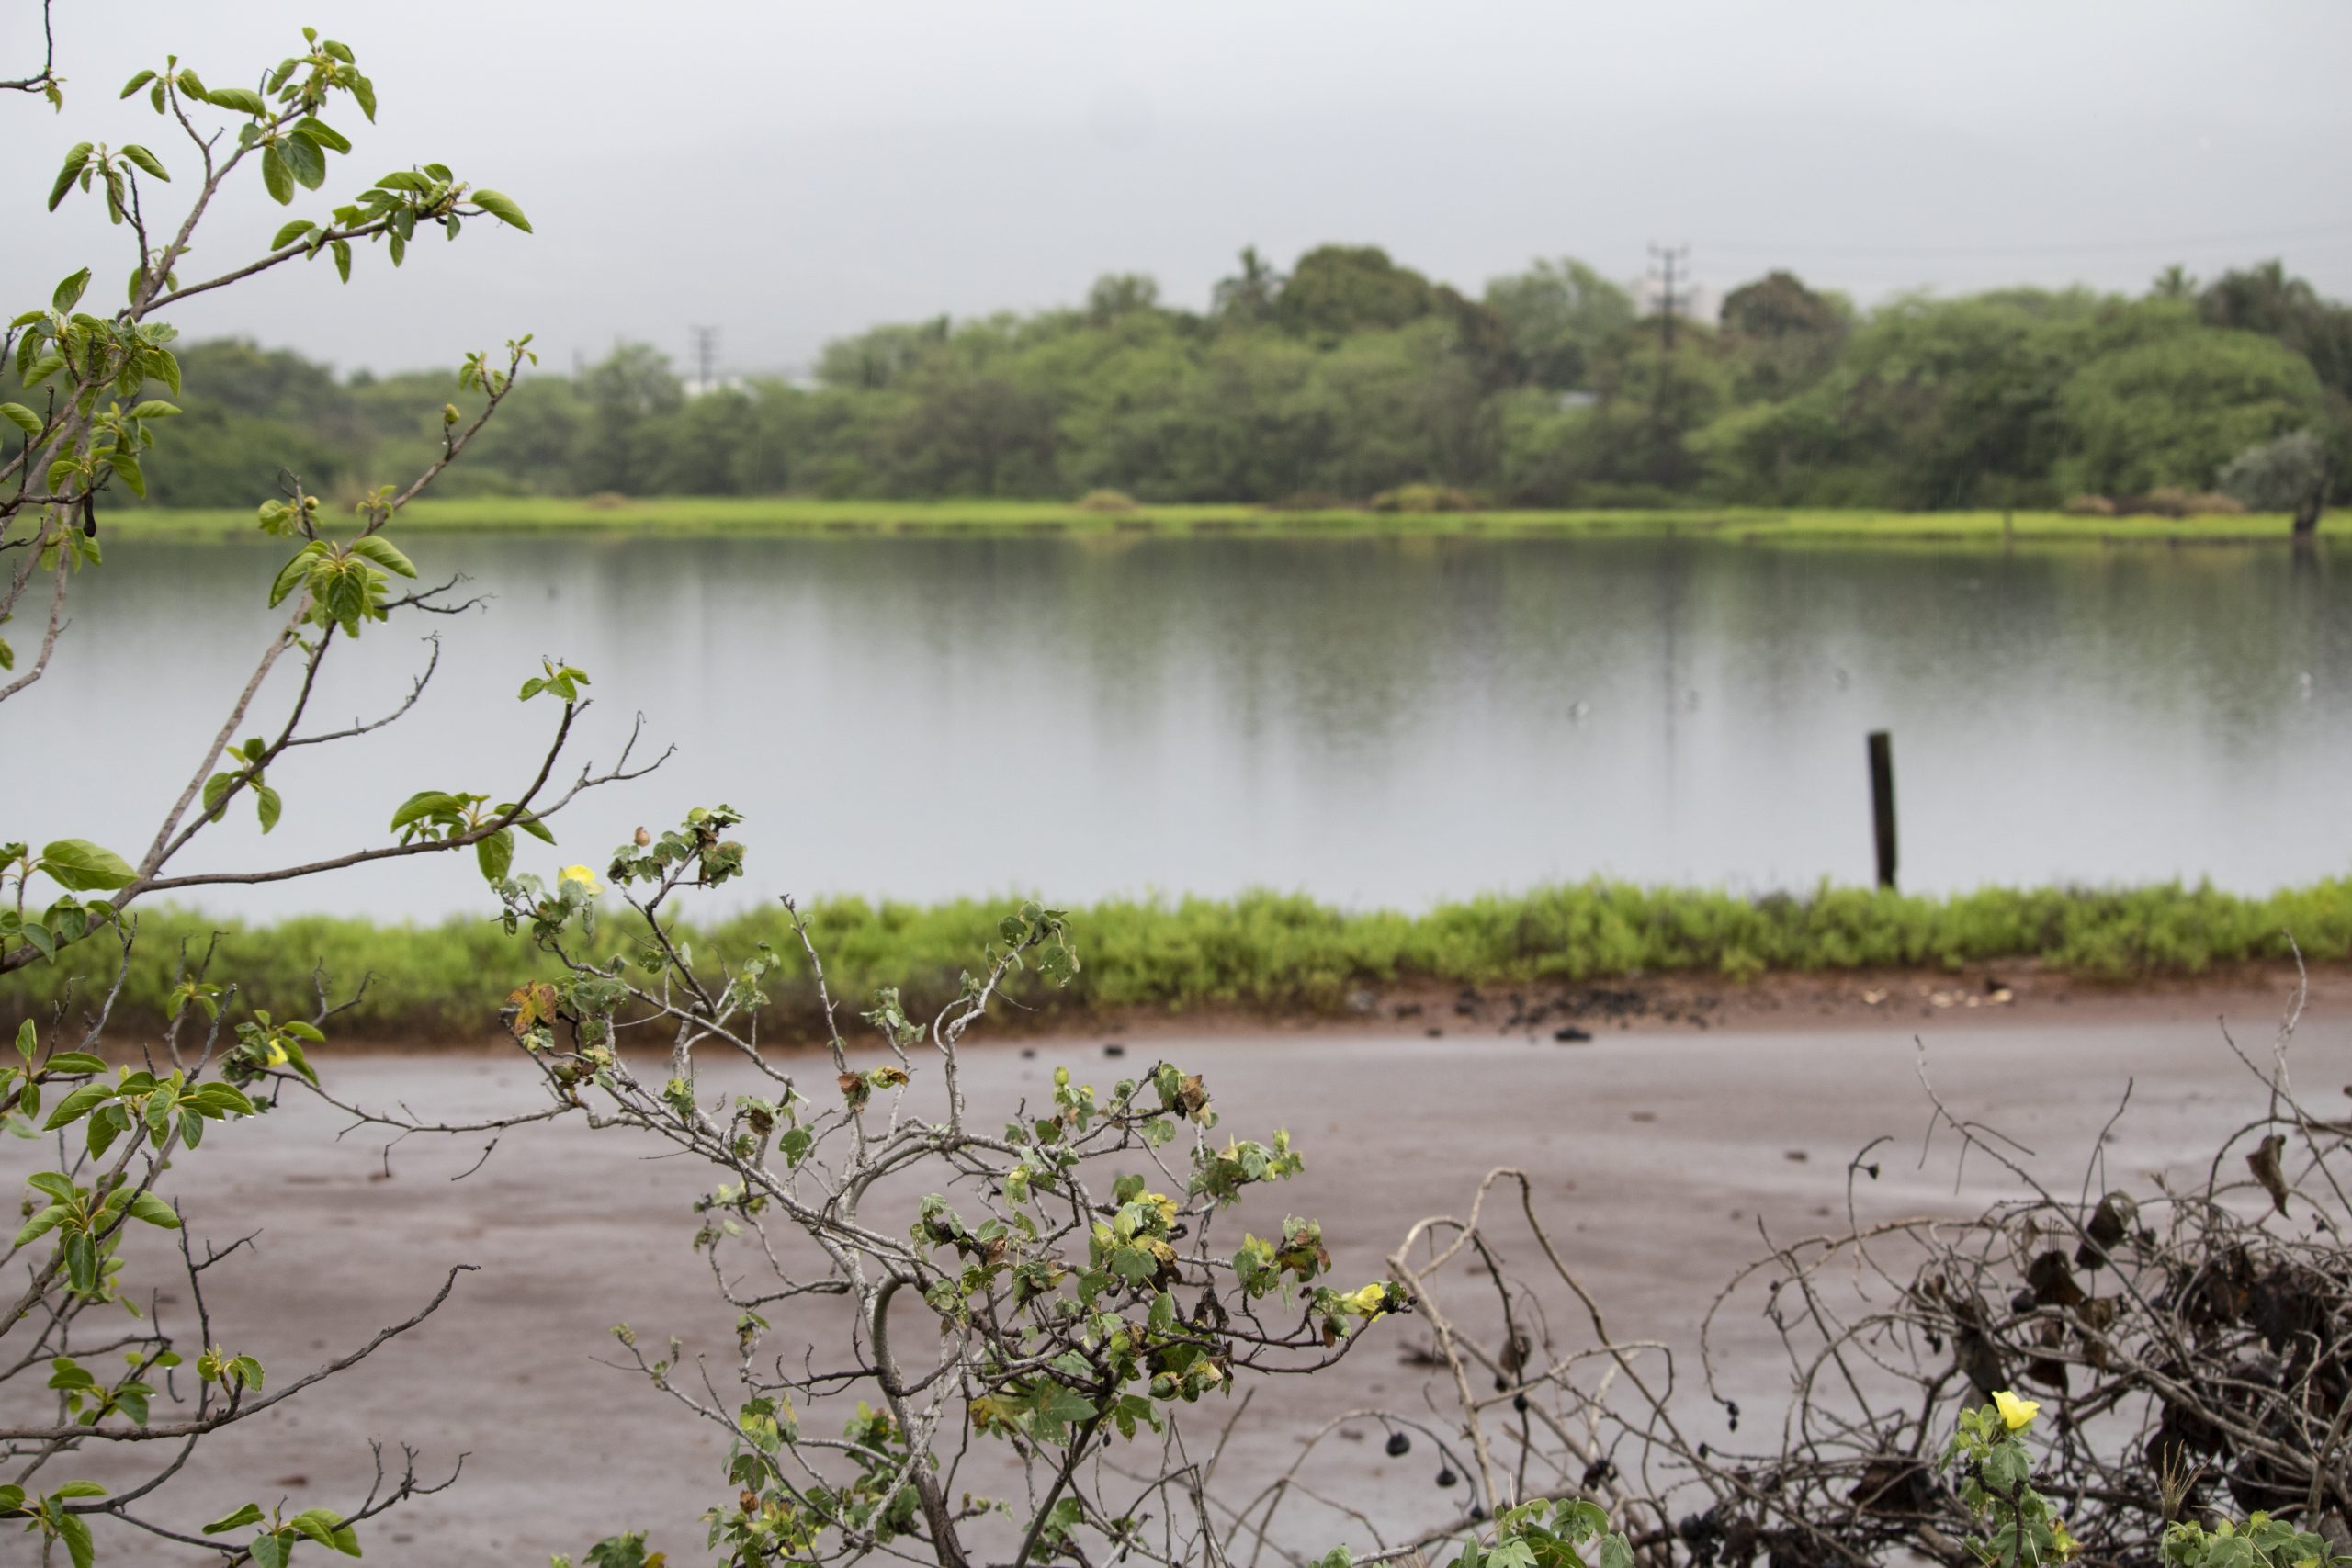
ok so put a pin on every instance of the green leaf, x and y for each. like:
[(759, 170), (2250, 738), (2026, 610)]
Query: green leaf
[(126, 468), (276, 177), (362, 92), (495, 855), (70, 1063), (23, 418), (249, 1513), (69, 292), (164, 366), (154, 1211), (323, 133), (342, 249), (81, 866), (382, 551), (244, 100), (136, 82), (291, 233), (56, 1183), (76, 158), (154, 407), (308, 164), (146, 161), (323, 1525), (531, 825), (41, 1223), (267, 805), (290, 575), (502, 207), (78, 1104), (424, 803), (76, 1533)]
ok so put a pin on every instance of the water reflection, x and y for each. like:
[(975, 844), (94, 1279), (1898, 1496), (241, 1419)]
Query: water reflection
[(1372, 721)]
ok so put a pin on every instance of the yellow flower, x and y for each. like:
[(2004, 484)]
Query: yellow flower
[(1370, 1300), (582, 875), (277, 1055), (2017, 1413)]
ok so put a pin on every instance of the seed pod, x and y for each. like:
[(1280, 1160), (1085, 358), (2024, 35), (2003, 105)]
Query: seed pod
[(1519, 1403), (1446, 1477), (89, 516), (1399, 1445)]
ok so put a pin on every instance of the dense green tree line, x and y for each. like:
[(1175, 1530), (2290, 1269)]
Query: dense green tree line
[(1352, 376)]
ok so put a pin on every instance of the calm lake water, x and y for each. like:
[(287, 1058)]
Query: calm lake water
[(1376, 722)]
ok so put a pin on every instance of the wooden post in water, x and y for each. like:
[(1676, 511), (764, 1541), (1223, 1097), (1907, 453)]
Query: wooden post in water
[(1883, 803)]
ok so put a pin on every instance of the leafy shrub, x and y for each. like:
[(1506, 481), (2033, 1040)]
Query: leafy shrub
[(1424, 498), (2090, 506), (1106, 501)]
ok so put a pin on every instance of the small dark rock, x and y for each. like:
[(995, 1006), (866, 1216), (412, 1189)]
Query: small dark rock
[(1569, 1035), (1114, 1049)]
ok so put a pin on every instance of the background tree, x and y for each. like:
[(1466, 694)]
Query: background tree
[(1546, 390), (1338, 290), (627, 393), (1561, 316)]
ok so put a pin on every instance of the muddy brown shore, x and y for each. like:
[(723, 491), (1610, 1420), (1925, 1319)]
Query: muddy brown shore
[(1662, 1149)]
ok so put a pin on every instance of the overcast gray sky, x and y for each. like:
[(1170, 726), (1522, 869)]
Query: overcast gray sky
[(790, 171)]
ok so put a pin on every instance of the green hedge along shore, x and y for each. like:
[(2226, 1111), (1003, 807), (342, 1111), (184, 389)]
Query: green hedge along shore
[(1271, 954), (708, 515)]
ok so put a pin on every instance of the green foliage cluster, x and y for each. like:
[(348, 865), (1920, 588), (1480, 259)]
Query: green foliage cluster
[(2020, 1528), (1264, 953), (1354, 377)]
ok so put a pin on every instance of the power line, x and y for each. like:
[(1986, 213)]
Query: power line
[(2046, 247)]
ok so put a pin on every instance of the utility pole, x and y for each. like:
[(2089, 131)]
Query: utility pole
[(706, 357), (1664, 260)]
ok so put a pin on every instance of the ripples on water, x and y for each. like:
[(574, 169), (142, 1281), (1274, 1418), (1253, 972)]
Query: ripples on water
[(1372, 721)]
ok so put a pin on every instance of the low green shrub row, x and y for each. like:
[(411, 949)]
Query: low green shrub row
[(1266, 953)]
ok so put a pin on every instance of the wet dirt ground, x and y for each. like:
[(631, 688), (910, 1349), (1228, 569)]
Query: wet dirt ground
[(1656, 1157)]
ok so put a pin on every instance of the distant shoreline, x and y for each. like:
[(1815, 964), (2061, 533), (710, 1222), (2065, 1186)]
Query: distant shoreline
[(732, 516)]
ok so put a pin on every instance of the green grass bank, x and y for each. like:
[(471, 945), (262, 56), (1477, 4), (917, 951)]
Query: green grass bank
[(1271, 954), (717, 515)]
